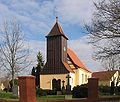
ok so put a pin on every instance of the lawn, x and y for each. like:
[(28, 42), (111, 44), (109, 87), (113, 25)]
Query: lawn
[(50, 98), (9, 97)]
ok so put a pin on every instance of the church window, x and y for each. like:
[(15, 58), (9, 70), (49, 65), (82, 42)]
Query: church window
[(72, 66), (69, 62), (82, 78), (86, 78), (56, 84)]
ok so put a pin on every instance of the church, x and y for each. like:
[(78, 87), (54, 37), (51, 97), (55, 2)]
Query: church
[(61, 62)]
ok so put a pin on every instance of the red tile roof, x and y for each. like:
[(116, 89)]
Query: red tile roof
[(56, 30), (76, 60), (103, 75)]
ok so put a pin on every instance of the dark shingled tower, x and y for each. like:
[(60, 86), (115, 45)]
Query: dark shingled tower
[(60, 59), (56, 52)]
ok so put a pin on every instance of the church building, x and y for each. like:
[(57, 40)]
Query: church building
[(61, 62)]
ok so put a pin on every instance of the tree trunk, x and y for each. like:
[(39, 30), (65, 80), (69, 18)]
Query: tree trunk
[(13, 77)]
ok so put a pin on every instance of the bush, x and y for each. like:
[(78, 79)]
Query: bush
[(80, 91), (117, 90), (41, 92), (50, 92), (104, 90)]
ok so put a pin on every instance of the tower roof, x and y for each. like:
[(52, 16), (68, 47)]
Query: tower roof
[(56, 30)]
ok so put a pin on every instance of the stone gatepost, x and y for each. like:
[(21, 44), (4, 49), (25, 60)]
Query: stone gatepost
[(27, 89), (93, 89)]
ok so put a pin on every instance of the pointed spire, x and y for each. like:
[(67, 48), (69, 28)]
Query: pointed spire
[(56, 30)]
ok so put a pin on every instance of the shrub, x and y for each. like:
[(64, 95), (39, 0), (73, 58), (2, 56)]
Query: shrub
[(112, 88), (104, 90), (117, 90), (80, 91), (41, 92), (50, 92), (63, 91)]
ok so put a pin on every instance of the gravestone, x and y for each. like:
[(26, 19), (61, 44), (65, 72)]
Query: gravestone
[(15, 90), (68, 88), (63, 84), (63, 87)]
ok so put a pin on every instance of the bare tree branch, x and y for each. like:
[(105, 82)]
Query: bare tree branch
[(104, 33), (14, 55)]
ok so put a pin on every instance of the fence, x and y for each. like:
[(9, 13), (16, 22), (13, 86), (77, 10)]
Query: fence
[(28, 92), (109, 99)]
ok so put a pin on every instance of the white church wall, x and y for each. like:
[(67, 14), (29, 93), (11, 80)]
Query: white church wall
[(83, 76), (72, 80), (79, 77), (46, 80)]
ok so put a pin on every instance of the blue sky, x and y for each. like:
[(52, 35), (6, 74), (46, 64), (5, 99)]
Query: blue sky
[(38, 16)]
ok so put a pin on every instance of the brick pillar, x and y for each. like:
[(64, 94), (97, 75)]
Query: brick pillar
[(27, 89), (93, 89)]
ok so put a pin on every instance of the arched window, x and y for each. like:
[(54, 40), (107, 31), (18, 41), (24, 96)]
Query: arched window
[(54, 84), (59, 85)]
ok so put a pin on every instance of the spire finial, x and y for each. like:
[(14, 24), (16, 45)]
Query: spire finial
[(56, 19)]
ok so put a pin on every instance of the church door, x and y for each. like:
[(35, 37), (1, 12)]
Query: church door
[(56, 84)]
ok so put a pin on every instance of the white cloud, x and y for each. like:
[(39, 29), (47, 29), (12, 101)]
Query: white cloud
[(76, 11), (37, 16), (30, 14)]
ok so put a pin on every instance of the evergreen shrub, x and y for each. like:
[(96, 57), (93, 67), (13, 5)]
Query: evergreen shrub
[(80, 91), (41, 92), (104, 90), (117, 90)]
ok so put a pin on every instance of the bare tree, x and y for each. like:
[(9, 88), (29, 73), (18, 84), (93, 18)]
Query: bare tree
[(13, 53), (104, 33), (105, 29)]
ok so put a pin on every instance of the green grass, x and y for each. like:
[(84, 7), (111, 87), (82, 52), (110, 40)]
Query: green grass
[(50, 97), (8, 95)]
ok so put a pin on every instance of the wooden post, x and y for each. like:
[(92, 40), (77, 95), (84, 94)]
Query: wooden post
[(27, 88)]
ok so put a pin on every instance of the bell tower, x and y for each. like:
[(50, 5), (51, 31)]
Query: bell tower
[(56, 50), (56, 44)]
